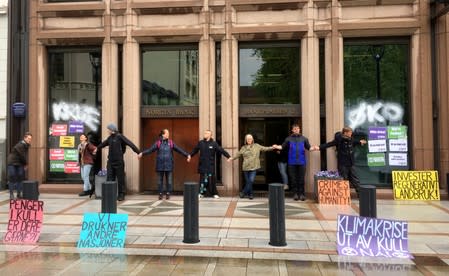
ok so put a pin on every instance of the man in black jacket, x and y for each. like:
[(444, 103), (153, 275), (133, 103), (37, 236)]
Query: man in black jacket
[(208, 148), (17, 164), (345, 155), (116, 166)]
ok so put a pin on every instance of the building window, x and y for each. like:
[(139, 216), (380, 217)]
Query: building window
[(269, 73), (170, 76), (74, 104), (376, 82)]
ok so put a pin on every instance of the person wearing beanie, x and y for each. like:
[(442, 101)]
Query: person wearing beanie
[(117, 143)]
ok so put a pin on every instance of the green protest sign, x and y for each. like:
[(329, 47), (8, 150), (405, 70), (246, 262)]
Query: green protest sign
[(376, 159)]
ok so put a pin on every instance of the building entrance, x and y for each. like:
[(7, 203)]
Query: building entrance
[(266, 132), (184, 133)]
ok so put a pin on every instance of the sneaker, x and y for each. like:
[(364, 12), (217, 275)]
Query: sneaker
[(302, 197), (296, 197), (216, 196), (251, 196), (167, 196), (241, 194), (160, 196)]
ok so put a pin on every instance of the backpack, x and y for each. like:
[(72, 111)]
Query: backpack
[(159, 142)]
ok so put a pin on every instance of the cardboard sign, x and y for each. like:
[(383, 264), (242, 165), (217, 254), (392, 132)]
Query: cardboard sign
[(56, 154), (362, 236), (67, 141), (25, 221), (416, 185), (334, 192), (58, 129), (103, 230)]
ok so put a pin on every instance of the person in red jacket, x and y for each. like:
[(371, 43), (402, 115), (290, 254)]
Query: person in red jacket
[(86, 158), (17, 164)]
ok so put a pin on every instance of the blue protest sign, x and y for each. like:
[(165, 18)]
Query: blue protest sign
[(103, 230)]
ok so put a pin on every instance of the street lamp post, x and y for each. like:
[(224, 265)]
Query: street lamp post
[(95, 60), (377, 51)]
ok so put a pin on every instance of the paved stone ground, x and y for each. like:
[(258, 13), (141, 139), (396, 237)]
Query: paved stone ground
[(234, 236)]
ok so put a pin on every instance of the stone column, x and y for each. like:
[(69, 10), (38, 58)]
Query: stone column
[(131, 110), (109, 89), (421, 94), (206, 75), (310, 102)]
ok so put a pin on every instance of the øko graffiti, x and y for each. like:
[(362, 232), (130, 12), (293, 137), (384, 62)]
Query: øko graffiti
[(375, 113), (89, 115)]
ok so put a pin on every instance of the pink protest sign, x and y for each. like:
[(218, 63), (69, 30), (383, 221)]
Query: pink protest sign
[(25, 221)]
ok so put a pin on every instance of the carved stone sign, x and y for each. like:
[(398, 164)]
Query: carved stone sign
[(149, 111), (272, 110)]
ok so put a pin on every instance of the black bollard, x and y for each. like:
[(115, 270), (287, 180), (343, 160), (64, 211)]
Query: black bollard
[(277, 214), (30, 190), (368, 201), (109, 197), (191, 211)]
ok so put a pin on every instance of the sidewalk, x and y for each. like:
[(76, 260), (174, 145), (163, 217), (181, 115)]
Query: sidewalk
[(236, 228)]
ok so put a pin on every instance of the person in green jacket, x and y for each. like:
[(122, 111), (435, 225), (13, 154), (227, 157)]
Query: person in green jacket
[(250, 152)]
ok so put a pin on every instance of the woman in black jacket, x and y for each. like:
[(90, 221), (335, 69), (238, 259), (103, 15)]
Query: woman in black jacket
[(208, 148), (164, 160)]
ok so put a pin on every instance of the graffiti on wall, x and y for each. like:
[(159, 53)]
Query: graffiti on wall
[(374, 114), (90, 115)]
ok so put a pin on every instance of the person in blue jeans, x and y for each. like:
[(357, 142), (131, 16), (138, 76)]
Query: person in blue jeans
[(17, 164), (250, 152), (164, 161)]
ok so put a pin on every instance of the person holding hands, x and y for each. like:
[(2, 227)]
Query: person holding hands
[(250, 152)]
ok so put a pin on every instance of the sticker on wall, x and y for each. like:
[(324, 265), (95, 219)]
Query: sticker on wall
[(377, 145), (71, 167), (76, 127), (56, 166), (397, 132), (397, 159), (67, 141), (377, 133), (376, 159), (58, 130), (56, 154), (416, 185), (71, 155), (400, 145)]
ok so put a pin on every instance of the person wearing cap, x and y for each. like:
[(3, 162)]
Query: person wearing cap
[(117, 143)]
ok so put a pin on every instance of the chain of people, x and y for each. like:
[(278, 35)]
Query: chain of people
[(291, 164)]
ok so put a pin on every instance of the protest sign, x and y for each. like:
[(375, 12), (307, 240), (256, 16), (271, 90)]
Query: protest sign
[(416, 185), (398, 145), (397, 159), (333, 191), (25, 221), (56, 154), (397, 132), (76, 127), (364, 236), (103, 230), (58, 129), (377, 145), (72, 167), (71, 155), (57, 166), (375, 159), (377, 133)]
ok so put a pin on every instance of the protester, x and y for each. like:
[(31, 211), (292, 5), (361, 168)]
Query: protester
[(344, 143), (164, 161), (208, 149), (296, 144), (282, 162), (117, 143), (17, 165), (250, 152), (86, 158)]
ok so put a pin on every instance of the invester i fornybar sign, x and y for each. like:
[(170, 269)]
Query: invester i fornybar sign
[(25, 221), (364, 236), (103, 230)]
